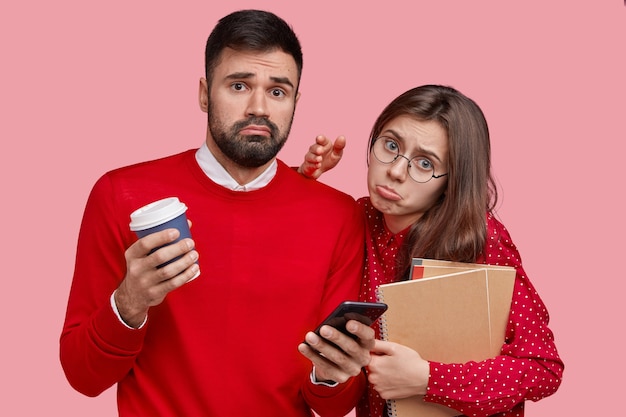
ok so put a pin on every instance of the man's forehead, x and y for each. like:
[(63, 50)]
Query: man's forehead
[(249, 64)]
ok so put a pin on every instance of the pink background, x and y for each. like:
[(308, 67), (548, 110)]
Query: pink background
[(90, 86)]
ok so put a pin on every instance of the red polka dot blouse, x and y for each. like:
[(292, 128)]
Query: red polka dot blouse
[(528, 368)]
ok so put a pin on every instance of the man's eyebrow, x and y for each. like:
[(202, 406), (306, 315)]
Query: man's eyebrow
[(239, 75), (247, 75), (282, 80)]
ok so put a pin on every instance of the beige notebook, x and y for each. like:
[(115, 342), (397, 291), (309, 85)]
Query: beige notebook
[(451, 313)]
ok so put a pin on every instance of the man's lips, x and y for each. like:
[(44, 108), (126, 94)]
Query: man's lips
[(255, 130), (387, 193)]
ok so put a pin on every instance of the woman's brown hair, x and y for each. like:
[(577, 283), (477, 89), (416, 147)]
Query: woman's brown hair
[(454, 228)]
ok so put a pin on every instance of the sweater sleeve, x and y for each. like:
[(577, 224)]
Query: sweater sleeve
[(334, 401), (528, 368), (343, 283), (96, 349)]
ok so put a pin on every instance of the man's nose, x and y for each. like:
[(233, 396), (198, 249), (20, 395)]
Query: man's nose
[(257, 105)]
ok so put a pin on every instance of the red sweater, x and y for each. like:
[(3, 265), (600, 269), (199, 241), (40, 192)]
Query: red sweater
[(273, 263)]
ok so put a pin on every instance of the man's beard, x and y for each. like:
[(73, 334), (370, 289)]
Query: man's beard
[(251, 151)]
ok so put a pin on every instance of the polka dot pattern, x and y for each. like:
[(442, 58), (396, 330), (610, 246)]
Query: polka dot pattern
[(529, 367)]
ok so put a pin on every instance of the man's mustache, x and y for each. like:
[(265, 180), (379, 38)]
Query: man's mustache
[(257, 121)]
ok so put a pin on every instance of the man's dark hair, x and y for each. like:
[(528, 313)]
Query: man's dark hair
[(251, 30)]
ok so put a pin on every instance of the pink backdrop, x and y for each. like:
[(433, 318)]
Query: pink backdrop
[(90, 86)]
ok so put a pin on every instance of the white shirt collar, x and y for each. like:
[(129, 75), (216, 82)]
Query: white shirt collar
[(216, 172)]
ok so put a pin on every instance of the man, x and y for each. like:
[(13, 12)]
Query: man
[(276, 251)]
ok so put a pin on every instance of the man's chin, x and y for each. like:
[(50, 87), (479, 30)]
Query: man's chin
[(253, 163), (255, 138)]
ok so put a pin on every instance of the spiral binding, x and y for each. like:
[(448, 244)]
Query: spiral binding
[(391, 408), (382, 322)]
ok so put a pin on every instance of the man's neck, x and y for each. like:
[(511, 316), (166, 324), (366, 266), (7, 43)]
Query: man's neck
[(243, 175), (213, 169)]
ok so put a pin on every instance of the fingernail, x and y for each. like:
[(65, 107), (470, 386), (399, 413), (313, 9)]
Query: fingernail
[(312, 338), (326, 332)]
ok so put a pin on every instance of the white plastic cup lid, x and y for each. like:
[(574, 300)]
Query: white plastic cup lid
[(156, 213)]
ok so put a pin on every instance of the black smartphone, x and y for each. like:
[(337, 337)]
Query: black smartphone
[(365, 312)]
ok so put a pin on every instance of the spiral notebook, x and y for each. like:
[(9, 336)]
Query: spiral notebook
[(448, 312)]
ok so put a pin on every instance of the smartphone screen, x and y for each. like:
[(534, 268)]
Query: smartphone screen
[(365, 312)]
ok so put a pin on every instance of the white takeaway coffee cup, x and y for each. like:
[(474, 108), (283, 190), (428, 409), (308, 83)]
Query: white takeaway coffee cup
[(168, 213)]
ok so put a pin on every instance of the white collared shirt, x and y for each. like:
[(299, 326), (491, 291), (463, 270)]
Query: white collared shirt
[(216, 172)]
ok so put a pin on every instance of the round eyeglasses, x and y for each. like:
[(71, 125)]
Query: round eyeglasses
[(387, 150)]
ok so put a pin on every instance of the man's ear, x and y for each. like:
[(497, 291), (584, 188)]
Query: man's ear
[(203, 95), (298, 97)]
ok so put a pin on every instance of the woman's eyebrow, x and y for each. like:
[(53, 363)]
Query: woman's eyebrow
[(420, 149)]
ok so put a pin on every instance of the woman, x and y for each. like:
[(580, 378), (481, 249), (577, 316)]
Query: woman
[(431, 195)]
